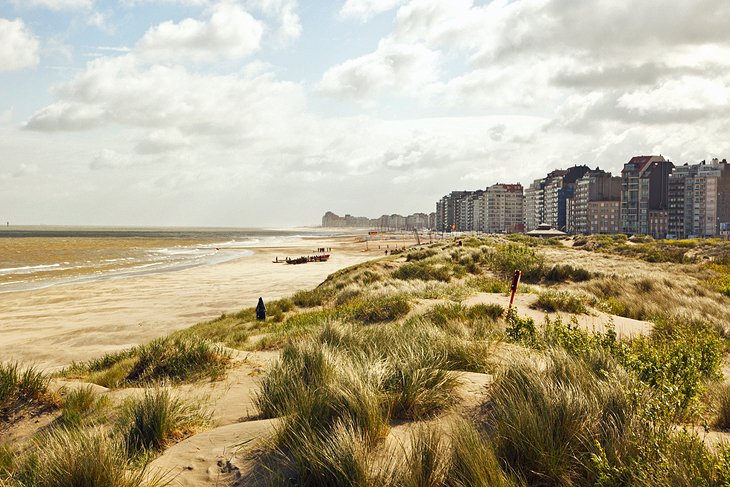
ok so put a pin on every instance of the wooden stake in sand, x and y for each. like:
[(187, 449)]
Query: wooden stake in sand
[(513, 287)]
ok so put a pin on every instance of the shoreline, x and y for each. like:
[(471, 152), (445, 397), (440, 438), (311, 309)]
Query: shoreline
[(54, 326)]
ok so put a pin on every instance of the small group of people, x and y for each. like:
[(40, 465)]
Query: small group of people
[(324, 249)]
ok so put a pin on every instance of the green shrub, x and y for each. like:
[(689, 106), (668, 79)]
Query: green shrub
[(506, 259), (420, 254)]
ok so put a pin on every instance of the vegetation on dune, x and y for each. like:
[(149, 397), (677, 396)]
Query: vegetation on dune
[(176, 359), (369, 360), (81, 405), (157, 418), (74, 457), (23, 388), (552, 300)]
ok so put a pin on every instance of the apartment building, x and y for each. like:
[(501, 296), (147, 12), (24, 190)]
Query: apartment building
[(559, 188), (534, 206), (645, 189), (595, 206), (504, 209), (699, 199)]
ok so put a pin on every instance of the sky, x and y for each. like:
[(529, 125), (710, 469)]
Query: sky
[(247, 113)]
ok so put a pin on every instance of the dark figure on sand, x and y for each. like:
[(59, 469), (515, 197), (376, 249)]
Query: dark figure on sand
[(261, 310)]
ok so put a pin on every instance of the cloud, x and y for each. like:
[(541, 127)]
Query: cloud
[(18, 46), (55, 4), (285, 14), (366, 9), (229, 33), (392, 66)]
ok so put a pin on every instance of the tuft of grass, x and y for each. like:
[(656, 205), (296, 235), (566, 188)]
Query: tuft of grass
[(552, 300), (474, 462), (381, 309), (547, 422), (79, 404), (82, 457), (177, 359), (562, 273), (313, 297), (21, 386), (722, 416), (424, 271), (427, 461), (337, 456), (157, 419)]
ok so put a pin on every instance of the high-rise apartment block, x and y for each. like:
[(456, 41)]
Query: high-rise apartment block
[(504, 212), (595, 206), (645, 194), (699, 199)]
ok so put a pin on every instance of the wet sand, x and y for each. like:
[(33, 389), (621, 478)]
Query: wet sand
[(54, 326)]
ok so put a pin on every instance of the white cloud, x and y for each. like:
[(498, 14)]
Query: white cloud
[(397, 67), (55, 4), (18, 46), (365, 9), (285, 14), (229, 33)]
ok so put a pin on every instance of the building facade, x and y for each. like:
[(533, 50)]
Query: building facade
[(644, 189), (595, 205), (699, 199), (504, 209)]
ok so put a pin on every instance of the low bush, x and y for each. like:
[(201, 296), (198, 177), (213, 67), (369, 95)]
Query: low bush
[(506, 259), (420, 254)]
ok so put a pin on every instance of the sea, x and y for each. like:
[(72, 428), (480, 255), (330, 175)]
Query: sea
[(39, 257)]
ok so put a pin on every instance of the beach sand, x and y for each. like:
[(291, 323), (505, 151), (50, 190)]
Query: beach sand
[(74, 322)]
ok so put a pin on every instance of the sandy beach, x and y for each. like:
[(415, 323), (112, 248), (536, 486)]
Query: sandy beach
[(54, 326)]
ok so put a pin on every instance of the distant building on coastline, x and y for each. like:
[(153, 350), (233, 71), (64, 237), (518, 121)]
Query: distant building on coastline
[(595, 206), (645, 196), (699, 199), (395, 222)]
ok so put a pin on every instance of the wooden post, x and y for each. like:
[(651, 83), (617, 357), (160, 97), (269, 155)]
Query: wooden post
[(513, 287)]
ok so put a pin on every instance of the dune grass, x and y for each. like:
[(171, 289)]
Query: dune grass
[(81, 405), (82, 457), (552, 300), (157, 419), (22, 387), (176, 359)]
